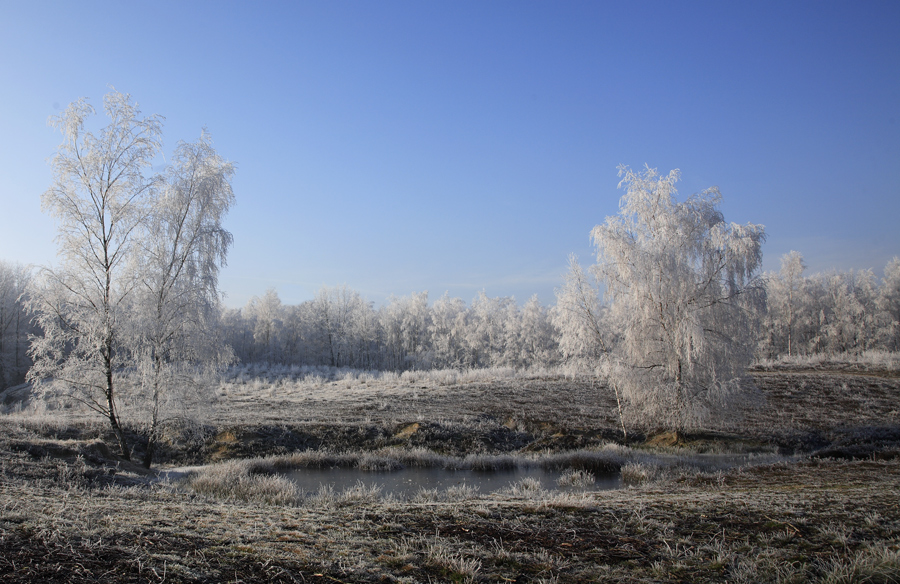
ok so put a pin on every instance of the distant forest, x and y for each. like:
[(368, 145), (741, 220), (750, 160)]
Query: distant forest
[(830, 313)]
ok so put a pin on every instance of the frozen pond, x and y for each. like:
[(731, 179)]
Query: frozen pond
[(406, 482)]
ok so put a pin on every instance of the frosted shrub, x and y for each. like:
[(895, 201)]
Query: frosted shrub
[(444, 376), (314, 381), (424, 495), (411, 377), (367, 377), (324, 497), (881, 359), (489, 374), (423, 458), (438, 554), (388, 377), (486, 462)]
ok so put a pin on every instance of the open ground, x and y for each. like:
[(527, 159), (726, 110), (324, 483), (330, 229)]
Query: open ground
[(813, 499)]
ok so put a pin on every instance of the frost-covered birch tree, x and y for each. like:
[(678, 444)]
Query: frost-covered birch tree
[(265, 315), (585, 336), (580, 317), (178, 299), (404, 326), (447, 331), (338, 314), (536, 342), (488, 328), (101, 199), (682, 286), (792, 267), (787, 298), (135, 297), (848, 308)]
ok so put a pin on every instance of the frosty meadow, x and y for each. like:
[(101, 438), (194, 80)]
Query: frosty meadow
[(749, 418)]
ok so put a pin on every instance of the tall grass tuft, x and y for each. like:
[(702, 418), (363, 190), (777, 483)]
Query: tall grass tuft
[(876, 566), (234, 480), (528, 488), (576, 478)]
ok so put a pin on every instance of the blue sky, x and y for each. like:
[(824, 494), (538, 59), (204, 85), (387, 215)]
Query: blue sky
[(459, 146)]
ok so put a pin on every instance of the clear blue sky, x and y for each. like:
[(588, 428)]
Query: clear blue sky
[(459, 146)]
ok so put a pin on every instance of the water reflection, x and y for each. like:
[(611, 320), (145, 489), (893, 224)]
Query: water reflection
[(406, 482)]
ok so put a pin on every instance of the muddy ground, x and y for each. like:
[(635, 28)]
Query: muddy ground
[(71, 511)]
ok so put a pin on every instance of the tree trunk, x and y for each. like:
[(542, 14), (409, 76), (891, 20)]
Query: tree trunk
[(111, 403), (117, 428), (151, 450), (154, 419), (621, 417)]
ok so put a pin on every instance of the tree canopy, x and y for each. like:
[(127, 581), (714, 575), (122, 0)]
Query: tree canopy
[(683, 291), (139, 257)]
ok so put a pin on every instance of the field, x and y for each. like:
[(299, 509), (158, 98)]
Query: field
[(813, 496)]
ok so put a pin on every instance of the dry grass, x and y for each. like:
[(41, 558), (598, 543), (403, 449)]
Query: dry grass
[(831, 521), (498, 410), (69, 512)]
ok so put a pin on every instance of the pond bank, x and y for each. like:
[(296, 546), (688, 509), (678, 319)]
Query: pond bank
[(416, 474)]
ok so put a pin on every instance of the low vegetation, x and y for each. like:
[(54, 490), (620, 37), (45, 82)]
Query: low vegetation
[(801, 489)]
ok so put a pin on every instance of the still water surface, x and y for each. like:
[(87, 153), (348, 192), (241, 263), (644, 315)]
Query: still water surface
[(406, 482)]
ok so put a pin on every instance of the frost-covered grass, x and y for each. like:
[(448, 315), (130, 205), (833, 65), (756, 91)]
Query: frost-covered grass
[(274, 394), (264, 376), (261, 479), (609, 458), (486, 413), (689, 511), (576, 478), (234, 480), (872, 360), (543, 403), (529, 401), (821, 521)]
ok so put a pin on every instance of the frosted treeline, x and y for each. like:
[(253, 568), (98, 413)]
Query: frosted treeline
[(833, 313), (828, 313), (339, 328)]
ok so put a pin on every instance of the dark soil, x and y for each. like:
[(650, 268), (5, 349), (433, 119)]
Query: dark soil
[(72, 511)]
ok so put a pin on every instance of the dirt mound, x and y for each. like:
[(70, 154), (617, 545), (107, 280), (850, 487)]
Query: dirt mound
[(666, 440), (407, 430)]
